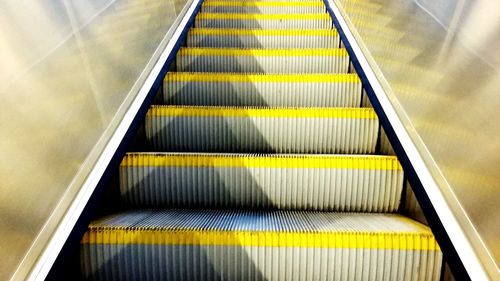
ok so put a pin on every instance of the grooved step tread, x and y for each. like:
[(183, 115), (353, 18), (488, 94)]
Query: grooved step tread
[(257, 7), (265, 78), (258, 245), (262, 228), (236, 16), (246, 89), (361, 183), (263, 4), (190, 51), (262, 32)]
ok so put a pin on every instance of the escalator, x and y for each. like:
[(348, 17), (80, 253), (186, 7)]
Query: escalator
[(266, 164)]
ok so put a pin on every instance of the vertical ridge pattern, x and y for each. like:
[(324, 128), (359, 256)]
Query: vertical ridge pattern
[(262, 77), (212, 129), (263, 61), (259, 90), (245, 245), (259, 21), (263, 7), (255, 38), (262, 181)]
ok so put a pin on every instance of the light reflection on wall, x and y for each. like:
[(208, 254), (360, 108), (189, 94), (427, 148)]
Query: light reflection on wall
[(66, 68), (441, 62)]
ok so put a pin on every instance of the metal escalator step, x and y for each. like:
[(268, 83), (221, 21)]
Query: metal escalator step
[(263, 60), (258, 245), (321, 1), (237, 89), (263, 38), (262, 130), (267, 7), (345, 183), (263, 21)]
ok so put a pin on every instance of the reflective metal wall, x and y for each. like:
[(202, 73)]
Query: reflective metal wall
[(440, 64), (67, 69)]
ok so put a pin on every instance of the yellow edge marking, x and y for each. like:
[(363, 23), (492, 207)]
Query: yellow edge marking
[(300, 112), (263, 3), (261, 52), (262, 32), (212, 16), (305, 161), (255, 78), (350, 240)]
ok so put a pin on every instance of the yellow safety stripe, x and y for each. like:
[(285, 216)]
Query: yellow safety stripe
[(216, 111), (220, 16), (253, 78), (351, 240), (367, 162), (263, 4), (337, 52), (262, 32)]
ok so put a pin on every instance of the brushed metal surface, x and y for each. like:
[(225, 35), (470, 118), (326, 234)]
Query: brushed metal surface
[(440, 65), (68, 68)]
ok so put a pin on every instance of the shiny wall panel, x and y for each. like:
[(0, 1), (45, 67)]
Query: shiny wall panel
[(439, 62), (67, 74)]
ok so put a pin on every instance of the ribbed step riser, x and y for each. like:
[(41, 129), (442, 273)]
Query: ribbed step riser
[(208, 186), (252, 245), (264, 9), (262, 134), (200, 263), (303, 94), (263, 64), (257, 23), (262, 41)]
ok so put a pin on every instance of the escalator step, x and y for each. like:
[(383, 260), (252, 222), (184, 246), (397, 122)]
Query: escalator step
[(263, 60), (258, 245), (236, 89), (257, 80), (262, 130), (206, 1), (263, 21), (294, 182), (266, 7), (263, 38)]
